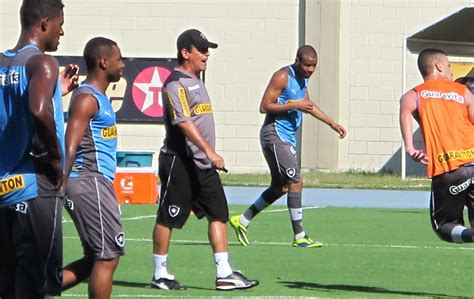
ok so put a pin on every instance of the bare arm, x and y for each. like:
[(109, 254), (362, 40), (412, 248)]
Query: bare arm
[(407, 113), (192, 133), (468, 97), (319, 114), (269, 104), (83, 108), (43, 75)]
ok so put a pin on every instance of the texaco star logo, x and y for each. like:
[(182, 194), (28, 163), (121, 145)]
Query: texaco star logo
[(147, 90)]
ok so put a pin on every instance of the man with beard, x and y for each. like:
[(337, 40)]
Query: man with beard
[(91, 145)]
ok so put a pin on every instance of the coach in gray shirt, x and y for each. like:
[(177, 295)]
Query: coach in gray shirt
[(188, 164)]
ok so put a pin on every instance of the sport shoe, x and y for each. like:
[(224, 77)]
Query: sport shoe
[(240, 230), (307, 242), (236, 280), (166, 284)]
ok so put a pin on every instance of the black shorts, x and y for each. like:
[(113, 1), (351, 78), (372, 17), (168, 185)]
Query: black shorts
[(186, 188), (31, 246), (450, 192)]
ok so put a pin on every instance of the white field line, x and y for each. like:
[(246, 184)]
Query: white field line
[(154, 216), (258, 243), (285, 210), (181, 296)]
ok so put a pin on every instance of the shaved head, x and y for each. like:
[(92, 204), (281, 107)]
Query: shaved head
[(306, 50), (427, 60)]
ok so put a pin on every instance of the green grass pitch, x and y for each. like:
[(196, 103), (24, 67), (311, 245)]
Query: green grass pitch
[(376, 253)]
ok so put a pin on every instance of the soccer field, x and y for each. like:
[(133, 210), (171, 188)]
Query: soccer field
[(378, 253)]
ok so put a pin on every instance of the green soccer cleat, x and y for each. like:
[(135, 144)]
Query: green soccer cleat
[(307, 242), (240, 230)]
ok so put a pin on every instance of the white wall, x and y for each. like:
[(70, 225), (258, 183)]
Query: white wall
[(256, 37), (376, 34)]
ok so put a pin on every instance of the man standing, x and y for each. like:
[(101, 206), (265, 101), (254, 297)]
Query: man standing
[(445, 112), (187, 167), (91, 145), (284, 101), (31, 155)]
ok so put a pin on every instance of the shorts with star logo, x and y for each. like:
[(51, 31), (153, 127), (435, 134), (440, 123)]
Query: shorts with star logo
[(31, 247), (93, 206), (186, 188), (450, 193), (280, 156)]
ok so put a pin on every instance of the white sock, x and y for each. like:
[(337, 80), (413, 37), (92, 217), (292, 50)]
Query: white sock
[(300, 235), (244, 221), (160, 266), (223, 267)]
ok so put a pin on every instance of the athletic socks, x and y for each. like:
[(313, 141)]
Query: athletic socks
[(266, 199), (160, 266), (461, 234), (296, 214), (223, 268)]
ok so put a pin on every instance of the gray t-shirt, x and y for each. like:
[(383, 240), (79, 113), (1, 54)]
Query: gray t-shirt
[(187, 100)]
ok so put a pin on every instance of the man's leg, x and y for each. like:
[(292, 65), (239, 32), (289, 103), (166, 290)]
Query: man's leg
[(161, 243), (161, 278), (295, 208), (227, 279), (242, 221), (76, 272), (38, 234), (451, 232), (447, 209), (100, 281), (217, 234), (92, 205), (268, 197)]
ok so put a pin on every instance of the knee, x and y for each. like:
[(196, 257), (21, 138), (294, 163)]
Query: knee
[(109, 263), (296, 187), (278, 191)]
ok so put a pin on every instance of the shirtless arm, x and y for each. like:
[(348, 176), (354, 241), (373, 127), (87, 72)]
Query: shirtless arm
[(43, 75), (470, 105), (269, 104), (407, 113), (317, 113)]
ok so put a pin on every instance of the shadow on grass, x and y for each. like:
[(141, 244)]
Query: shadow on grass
[(141, 285), (354, 288)]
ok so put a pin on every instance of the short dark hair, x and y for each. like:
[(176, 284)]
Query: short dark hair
[(305, 50), (180, 57), (426, 59), (95, 49), (32, 11)]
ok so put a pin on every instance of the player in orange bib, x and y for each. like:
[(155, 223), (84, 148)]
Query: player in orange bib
[(445, 112)]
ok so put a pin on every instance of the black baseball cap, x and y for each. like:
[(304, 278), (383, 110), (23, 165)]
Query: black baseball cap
[(194, 37)]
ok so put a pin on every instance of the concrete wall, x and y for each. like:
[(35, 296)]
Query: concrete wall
[(374, 44), (358, 81)]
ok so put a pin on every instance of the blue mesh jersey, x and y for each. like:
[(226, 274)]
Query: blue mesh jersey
[(18, 180), (97, 151), (287, 123)]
